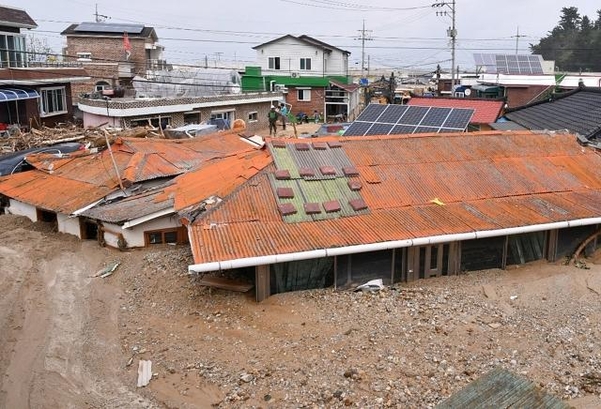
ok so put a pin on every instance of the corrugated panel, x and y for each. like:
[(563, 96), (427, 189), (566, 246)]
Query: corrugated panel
[(51, 192), (129, 208), (536, 179), (502, 389)]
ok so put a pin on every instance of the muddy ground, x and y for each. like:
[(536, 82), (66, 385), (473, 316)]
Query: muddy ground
[(72, 340)]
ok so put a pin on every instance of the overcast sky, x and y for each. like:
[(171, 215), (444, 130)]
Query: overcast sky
[(404, 34)]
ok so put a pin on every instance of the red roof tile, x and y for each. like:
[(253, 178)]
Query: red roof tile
[(485, 111)]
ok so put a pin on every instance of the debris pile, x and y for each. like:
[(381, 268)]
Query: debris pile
[(16, 140)]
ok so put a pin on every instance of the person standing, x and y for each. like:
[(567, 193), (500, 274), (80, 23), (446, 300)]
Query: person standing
[(272, 117), (284, 114)]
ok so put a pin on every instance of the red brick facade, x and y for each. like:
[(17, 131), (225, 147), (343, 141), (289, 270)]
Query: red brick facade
[(317, 102), (107, 53)]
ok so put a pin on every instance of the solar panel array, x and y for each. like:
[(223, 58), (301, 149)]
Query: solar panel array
[(379, 119), (510, 63), (110, 28)]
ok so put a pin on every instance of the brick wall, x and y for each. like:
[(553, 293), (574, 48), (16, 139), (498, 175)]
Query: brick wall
[(521, 96), (107, 53), (317, 101)]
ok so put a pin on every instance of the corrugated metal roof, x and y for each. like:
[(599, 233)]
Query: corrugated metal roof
[(84, 178), (502, 389), (51, 192), (485, 111), (485, 180)]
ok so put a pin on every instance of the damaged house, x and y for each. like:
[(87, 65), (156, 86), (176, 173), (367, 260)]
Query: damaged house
[(340, 211), (129, 195)]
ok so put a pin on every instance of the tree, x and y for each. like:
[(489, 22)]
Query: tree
[(574, 44), (38, 50)]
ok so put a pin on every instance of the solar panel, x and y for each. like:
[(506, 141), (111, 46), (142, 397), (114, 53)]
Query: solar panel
[(402, 129), (458, 118), (510, 63), (109, 28), (371, 112), (392, 114), (380, 129), (436, 117), (357, 128), (414, 115), (393, 119)]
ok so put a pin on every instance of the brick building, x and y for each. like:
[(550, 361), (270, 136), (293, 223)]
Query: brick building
[(112, 54)]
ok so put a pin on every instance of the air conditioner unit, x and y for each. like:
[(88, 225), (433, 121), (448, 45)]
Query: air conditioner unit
[(295, 75)]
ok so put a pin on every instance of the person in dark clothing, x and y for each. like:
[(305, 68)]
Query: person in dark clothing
[(272, 117)]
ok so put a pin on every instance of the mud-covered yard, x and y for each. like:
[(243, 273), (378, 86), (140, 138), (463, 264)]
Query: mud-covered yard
[(72, 340)]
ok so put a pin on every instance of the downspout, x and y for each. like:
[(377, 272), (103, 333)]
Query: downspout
[(387, 245)]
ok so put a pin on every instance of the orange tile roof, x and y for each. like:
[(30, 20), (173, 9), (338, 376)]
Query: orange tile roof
[(483, 180), (52, 192), (485, 111), (84, 177), (215, 178)]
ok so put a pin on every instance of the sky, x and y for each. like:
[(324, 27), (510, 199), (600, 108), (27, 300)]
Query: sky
[(405, 35)]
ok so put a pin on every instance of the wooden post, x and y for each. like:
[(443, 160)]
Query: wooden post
[(262, 283)]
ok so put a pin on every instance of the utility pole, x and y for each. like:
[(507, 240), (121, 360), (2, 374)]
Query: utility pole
[(451, 32), (363, 36), (517, 40)]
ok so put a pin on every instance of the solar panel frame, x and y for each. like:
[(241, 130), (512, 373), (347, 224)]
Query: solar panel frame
[(109, 28), (525, 64)]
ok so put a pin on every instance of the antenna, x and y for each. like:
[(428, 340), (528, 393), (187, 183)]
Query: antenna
[(99, 17), (517, 39)]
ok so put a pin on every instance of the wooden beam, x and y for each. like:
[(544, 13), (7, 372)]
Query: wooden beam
[(262, 283)]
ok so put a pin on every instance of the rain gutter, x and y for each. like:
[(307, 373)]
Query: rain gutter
[(386, 245)]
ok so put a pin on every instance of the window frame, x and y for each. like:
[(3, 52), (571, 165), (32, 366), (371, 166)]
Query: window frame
[(43, 104), (306, 94), (305, 64), (253, 116), (274, 63)]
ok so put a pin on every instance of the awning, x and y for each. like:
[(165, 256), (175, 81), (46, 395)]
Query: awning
[(14, 94)]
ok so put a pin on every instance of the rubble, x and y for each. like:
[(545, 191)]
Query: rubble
[(93, 137)]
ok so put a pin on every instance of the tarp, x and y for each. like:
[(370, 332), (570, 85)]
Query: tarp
[(14, 94)]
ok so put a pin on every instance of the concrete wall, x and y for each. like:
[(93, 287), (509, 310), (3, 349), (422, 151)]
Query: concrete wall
[(69, 225), (134, 237), (22, 209), (291, 50)]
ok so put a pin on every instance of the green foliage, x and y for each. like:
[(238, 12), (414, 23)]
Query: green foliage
[(574, 44)]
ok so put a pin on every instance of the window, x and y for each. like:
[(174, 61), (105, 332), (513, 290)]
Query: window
[(53, 101), (84, 56), (192, 117), (101, 85), (274, 63), (304, 94), (161, 237), (305, 64), (12, 51), (253, 116)]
